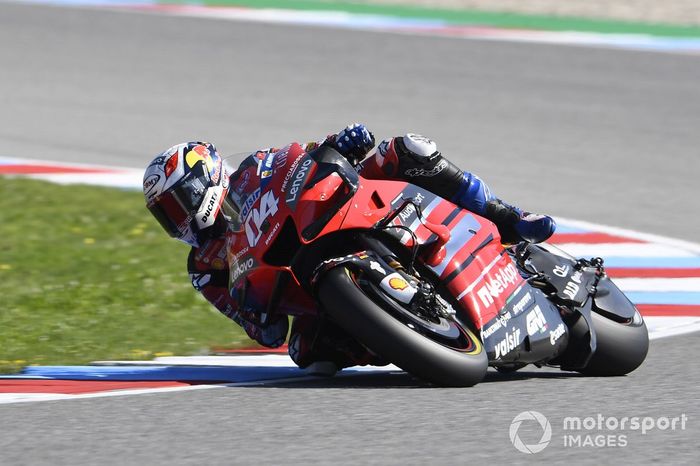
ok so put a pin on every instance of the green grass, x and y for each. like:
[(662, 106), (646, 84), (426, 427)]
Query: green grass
[(86, 273), (461, 16)]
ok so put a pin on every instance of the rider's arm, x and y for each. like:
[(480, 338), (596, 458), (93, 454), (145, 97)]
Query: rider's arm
[(211, 279), (415, 159)]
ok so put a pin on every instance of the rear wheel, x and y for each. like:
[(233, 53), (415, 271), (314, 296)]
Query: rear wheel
[(438, 350)]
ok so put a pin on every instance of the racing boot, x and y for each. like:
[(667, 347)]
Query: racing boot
[(515, 226)]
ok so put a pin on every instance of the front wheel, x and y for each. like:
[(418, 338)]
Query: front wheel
[(621, 348), (453, 357)]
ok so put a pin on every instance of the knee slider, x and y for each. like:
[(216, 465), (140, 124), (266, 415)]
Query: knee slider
[(417, 147)]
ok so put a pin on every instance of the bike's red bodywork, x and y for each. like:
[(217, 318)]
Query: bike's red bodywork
[(461, 248)]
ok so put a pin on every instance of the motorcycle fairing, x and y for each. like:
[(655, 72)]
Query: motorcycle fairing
[(529, 329), (307, 187), (473, 267)]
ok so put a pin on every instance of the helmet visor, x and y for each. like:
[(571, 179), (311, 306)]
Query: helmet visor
[(175, 208)]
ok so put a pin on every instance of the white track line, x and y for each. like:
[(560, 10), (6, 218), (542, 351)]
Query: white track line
[(130, 180), (648, 237), (624, 250), (658, 284), (663, 327)]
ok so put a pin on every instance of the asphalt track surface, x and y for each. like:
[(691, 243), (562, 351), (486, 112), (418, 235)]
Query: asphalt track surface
[(598, 135)]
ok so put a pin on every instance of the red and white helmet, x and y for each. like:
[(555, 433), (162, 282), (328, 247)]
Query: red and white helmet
[(185, 188)]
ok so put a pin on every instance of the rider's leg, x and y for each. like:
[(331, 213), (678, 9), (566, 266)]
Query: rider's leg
[(415, 159)]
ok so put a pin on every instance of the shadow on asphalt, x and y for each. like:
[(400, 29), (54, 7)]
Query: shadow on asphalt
[(404, 380)]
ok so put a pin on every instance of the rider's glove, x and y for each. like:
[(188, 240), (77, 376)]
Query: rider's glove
[(354, 142), (271, 334), (274, 334)]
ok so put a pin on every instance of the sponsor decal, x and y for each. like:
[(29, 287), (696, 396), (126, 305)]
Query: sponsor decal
[(420, 139), (150, 182), (407, 212), (206, 215), (281, 157), (501, 322), (501, 280), (413, 172), (556, 334), (265, 167), (217, 173), (536, 323), (241, 267), (241, 252), (272, 233), (398, 288), (250, 202), (574, 285), (269, 158), (508, 344), (375, 266), (398, 284), (199, 154), (410, 209), (288, 176), (561, 271), (297, 181), (522, 304), (254, 221)]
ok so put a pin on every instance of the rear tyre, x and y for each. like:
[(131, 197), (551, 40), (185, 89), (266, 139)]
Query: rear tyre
[(392, 339)]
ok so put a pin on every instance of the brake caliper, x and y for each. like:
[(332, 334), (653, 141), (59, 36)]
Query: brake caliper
[(429, 304)]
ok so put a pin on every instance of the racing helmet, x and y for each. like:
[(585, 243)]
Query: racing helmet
[(185, 188)]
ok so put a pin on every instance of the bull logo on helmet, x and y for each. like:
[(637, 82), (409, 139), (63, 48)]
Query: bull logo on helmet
[(201, 153)]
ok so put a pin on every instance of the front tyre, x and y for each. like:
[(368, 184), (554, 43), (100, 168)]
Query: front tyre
[(621, 347), (394, 340)]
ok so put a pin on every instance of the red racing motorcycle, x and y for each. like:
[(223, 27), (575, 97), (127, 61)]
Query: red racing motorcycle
[(419, 281)]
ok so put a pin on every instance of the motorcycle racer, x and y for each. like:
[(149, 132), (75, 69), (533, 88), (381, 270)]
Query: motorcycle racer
[(187, 188)]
